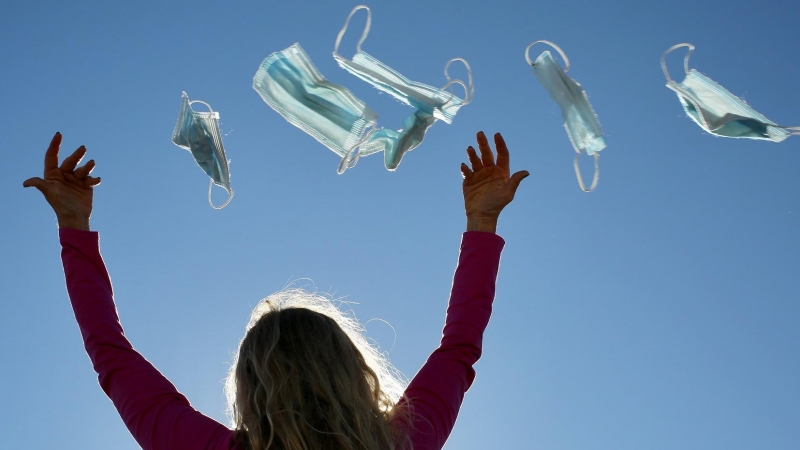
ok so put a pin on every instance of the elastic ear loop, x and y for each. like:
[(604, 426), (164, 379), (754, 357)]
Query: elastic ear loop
[(469, 87), (685, 59), (578, 174), (351, 157), (686, 98), (551, 44), (230, 196), (210, 109), (596, 177), (347, 24), (211, 181)]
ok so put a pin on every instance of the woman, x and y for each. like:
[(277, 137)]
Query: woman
[(304, 379)]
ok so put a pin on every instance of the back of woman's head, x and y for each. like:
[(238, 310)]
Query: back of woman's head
[(306, 378)]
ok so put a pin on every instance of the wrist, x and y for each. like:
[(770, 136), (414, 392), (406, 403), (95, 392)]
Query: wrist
[(78, 223), (487, 224)]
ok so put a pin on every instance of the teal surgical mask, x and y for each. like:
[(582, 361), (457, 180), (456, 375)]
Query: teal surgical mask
[(430, 103), (718, 111), (581, 122), (290, 83), (198, 132)]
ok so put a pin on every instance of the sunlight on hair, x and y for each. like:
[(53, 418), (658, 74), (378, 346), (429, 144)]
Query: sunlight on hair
[(392, 382)]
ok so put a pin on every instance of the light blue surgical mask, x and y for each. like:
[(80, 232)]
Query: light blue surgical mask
[(581, 122), (430, 103), (718, 111), (291, 85), (198, 132)]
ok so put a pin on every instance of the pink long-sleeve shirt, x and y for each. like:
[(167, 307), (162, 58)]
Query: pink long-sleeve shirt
[(161, 418)]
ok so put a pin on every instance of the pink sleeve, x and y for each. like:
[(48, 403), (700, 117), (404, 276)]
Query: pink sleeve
[(158, 416), (436, 392)]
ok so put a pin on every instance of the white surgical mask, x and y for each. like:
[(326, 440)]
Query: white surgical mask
[(198, 132), (581, 122), (718, 111), (430, 103)]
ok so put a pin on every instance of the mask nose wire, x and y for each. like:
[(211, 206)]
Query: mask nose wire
[(364, 33), (596, 177), (685, 59), (551, 44)]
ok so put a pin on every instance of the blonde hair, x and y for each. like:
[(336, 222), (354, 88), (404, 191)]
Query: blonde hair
[(307, 378)]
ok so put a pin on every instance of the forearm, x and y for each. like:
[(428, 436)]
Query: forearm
[(435, 394), (158, 416)]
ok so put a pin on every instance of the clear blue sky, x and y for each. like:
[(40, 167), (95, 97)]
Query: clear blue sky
[(661, 311)]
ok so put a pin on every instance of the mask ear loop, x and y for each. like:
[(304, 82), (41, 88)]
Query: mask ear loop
[(551, 44), (347, 24), (686, 98), (210, 109), (578, 154), (230, 196), (685, 59), (351, 157), (469, 87), (596, 177)]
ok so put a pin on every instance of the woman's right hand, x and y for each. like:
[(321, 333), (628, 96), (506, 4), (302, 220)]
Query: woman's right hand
[(488, 188), (68, 190)]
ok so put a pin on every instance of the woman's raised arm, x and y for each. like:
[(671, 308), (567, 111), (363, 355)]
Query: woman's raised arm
[(434, 396), (158, 416)]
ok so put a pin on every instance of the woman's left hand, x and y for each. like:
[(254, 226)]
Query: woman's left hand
[(68, 190), (488, 186)]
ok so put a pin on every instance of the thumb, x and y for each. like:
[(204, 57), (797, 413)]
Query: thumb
[(517, 178), (36, 182)]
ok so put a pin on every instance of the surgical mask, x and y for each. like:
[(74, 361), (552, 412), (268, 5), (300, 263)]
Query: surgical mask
[(580, 120), (198, 132), (291, 85), (430, 103), (718, 111)]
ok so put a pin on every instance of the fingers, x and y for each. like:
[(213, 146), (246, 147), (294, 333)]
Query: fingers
[(502, 152), (51, 155), (466, 172), (92, 181), (83, 171), (486, 152), (517, 178), (474, 160), (34, 182), (69, 163)]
